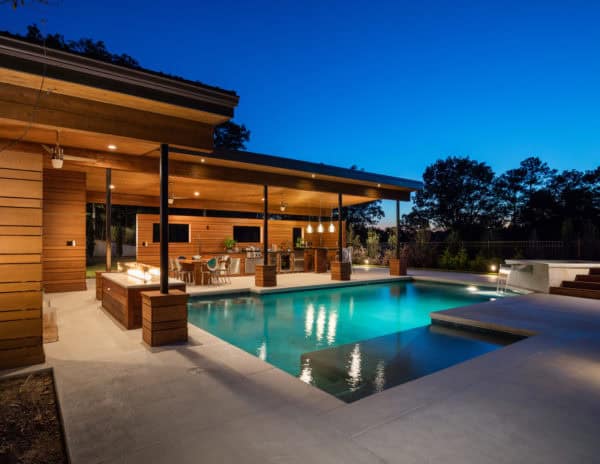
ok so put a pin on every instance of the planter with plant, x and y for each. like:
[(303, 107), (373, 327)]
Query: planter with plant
[(229, 244)]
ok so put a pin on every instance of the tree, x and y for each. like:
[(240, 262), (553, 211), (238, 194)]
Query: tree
[(231, 136), (17, 3), (457, 195)]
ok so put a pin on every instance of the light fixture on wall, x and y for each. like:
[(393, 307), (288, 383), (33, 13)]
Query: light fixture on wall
[(282, 206), (331, 227)]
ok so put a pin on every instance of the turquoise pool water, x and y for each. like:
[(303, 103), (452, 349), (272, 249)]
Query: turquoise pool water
[(283, 328)]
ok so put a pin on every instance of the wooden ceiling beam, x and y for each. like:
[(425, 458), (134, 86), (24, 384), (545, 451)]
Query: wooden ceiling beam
[(200, 204), (202, 171), (17, 103)]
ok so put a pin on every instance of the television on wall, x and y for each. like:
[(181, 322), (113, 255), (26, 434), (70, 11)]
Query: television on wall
[(246, 234), (177, 233)]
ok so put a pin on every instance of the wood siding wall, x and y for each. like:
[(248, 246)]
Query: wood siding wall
[(21, 194), (207, 235), (64, 220)]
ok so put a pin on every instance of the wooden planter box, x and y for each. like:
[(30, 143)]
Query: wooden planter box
[(99, 285), (398, 267), (340, 271), (164, 317), (266, 275)]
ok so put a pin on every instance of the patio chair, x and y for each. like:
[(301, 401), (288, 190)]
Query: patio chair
[(173, 268), (224, 268), (186, 275), (213, 270)]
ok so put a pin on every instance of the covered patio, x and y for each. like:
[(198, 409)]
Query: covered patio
[(75, 131)]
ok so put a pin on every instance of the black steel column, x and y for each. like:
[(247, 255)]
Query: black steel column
[(108, 220), (340, 234), (266, 225), (398, 229), (164, 218)]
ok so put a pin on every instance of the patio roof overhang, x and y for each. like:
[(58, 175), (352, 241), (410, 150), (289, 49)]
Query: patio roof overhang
[(92, 104)]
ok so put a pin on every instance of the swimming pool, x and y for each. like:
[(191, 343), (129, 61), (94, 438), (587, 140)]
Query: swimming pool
[(284, 328)]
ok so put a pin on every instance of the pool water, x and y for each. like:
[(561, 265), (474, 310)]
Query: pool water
[(314, 334)]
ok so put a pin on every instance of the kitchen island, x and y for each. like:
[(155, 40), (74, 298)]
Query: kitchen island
[(121, 296)]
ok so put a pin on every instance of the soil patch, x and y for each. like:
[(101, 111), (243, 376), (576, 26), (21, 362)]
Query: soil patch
[(30, 429)]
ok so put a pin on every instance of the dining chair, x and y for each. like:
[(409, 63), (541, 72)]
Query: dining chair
[(224, 268), (213, 267)]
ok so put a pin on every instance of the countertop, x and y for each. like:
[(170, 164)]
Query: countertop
[(124, 280)]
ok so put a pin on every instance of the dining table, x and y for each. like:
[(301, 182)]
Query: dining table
[(199, 268)]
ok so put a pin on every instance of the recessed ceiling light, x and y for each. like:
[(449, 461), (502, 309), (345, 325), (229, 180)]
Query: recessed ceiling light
[(196, 194), (378, 185), (112, 186), (112, 146), (202, 160), (313, 175)]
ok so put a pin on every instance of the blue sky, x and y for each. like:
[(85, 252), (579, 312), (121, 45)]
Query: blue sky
[(388, 86)]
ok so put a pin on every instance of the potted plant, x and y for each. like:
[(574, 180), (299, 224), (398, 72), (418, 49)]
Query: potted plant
[(229, 244)]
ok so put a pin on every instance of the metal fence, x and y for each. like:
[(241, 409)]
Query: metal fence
[(427, 254)]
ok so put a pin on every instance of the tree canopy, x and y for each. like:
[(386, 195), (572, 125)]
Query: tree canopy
[(231, 136)]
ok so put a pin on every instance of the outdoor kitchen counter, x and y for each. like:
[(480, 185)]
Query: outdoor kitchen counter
[(122, 296)]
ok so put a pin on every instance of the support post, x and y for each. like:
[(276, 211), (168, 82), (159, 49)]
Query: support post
[(108, 221), (397, 229), (164, 218), (340, 234), (265, 273), (398, 263), (340, 270), (266, 225)]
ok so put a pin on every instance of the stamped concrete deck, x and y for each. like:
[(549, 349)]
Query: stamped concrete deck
[(537, 400)]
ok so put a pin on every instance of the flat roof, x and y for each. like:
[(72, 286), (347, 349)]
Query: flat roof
[(24, 57)]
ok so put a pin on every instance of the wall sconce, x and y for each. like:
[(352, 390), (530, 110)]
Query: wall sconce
[(71, 243)]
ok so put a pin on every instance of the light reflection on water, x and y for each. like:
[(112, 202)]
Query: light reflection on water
[(281, 328)]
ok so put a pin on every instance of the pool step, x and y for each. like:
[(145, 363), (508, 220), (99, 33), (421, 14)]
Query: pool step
[(584, 286), (578, 292), (587, 278), (581, 284)]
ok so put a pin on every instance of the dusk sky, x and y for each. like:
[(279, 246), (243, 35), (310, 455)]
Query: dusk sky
[(388, 86)]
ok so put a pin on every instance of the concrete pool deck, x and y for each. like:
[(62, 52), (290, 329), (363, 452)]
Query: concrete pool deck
[(537, 400)]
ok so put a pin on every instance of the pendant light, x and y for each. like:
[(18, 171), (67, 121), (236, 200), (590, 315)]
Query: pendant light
[(331, 227), (320, 227), (309, 227)]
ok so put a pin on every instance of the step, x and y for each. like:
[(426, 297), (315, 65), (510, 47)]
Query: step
[(595, 270), (578, 292), (581, 284), (587, 278)]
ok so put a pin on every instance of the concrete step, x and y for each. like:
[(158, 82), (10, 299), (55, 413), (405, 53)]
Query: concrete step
[(587, 278), (581, 284), (578, 292)]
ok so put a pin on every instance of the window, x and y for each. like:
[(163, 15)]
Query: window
[(177, 233), (246, 234)]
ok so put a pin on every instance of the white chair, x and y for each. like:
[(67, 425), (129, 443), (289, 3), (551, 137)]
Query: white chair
[(224, 271)]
